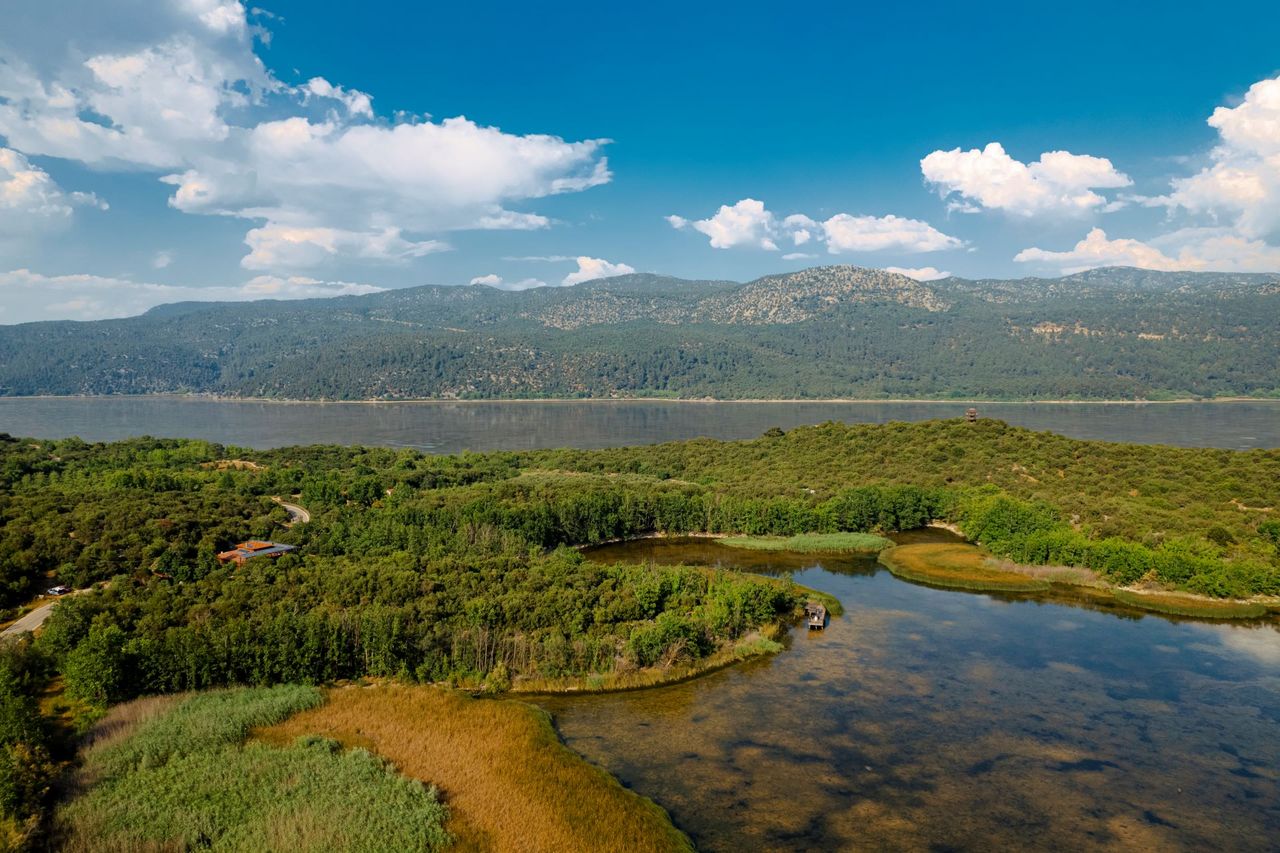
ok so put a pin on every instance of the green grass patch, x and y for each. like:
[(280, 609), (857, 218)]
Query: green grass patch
[(1185, 605), (808, 543), (187, 780), (956, 566), (833, 605)]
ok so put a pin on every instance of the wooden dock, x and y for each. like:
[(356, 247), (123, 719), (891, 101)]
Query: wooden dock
[(816, 614)]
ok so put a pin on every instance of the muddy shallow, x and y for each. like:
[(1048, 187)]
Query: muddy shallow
[(926, 718)]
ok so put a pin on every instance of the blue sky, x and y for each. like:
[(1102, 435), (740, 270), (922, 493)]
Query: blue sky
[(151, 152)]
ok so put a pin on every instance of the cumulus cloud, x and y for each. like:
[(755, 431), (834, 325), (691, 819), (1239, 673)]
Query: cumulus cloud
[(357, 103), (30, 296), (161, 259), (1242, 183), (30, 200), (748, 223), (1213, 249), (1239, 192), (184, 95), (845, 233), (1059, 183), (590, 269), (920, 273)]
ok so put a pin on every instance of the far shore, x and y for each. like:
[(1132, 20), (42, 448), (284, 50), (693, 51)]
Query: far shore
[(218, 398)]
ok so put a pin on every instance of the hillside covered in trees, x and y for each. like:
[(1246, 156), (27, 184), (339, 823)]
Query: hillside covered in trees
[(827, 332)]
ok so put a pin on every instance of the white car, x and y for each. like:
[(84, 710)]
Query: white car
[(59, 590)]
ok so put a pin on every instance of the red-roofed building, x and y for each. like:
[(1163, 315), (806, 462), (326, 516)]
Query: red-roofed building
[(251, 549)]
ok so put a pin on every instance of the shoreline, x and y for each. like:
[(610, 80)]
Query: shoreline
[(373, 401)]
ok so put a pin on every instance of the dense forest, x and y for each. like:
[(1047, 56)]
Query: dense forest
[(462, 568), (827, 332)]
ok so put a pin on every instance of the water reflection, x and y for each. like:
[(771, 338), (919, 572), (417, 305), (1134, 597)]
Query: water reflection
[(924, 718)]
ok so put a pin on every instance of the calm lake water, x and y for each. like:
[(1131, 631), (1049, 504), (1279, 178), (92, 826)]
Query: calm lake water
[(931, 719), (453, 427)]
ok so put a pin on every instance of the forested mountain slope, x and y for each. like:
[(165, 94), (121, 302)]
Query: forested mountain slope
[(823, 332)]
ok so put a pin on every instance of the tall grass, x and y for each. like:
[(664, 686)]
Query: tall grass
[(1186, 605), (509, 782), (186, 779), (957, 566), (809, 543)]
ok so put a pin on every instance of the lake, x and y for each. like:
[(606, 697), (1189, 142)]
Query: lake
[(449, 427), (933, 719)]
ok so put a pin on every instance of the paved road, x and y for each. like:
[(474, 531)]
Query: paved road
[(297, 515), (36, 618), (31, 621)]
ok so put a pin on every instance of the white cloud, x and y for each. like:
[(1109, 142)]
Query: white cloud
[(30, 201), (920, 273), (797, 256), (1242, 183), (357, 103), (749, 223), (1059, 183), (590, 269), (29, 296), (181, 93), (288, 247), (1213, 249), (161, 260), (1095, 250), (845, 233), (746, 223), (496, 281)]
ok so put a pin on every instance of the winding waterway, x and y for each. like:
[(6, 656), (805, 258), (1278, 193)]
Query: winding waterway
[(447, 427), (932, 719)]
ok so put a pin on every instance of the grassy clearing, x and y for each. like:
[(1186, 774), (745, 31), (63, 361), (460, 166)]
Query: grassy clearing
[(955, 565), (811, 543), (509, 782), (161, 777), (1187, 605)]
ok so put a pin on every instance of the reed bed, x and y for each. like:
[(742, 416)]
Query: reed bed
[(509, 782), (811, 543), (1187, 605), (184, 779), (955, 565)]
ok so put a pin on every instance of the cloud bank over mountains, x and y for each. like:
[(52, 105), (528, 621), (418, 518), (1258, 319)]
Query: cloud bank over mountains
[(322, 182)]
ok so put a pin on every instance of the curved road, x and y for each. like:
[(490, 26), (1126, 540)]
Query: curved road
[(297, 514)]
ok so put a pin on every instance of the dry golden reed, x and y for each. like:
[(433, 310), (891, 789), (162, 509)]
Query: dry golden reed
[(508, 781)]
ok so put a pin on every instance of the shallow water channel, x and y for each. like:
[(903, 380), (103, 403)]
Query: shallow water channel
[(934, 719)]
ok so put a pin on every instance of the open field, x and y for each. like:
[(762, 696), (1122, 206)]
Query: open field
[(508, 781)]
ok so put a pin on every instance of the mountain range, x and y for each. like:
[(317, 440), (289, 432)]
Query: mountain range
[(826, 332)]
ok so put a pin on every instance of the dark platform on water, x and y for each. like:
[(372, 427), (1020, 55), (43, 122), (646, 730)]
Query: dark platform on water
[(816, 614)]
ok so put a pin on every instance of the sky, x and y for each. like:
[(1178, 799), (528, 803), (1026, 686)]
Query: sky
[(155, 151)]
